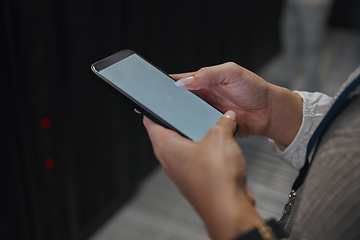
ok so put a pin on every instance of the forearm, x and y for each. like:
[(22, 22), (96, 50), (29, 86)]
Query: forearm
[(285, 115), (315, 107)]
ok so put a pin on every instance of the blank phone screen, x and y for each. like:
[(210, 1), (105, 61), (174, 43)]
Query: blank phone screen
[(156, 91)]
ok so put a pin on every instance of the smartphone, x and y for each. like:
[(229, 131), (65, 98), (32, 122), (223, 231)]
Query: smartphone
[(152, 92)]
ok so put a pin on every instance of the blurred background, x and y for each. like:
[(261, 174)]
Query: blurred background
[(78, 163)]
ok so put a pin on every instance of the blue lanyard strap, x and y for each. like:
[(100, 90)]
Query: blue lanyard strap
[(338, 105)]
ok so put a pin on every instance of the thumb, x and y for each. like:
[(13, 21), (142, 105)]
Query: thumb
[(228, 123), (203, 78)]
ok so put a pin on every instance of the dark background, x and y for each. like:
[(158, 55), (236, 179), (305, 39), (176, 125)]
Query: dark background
[(98, 145)]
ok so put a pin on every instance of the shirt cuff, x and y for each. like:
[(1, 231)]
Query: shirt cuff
[(315, 107)]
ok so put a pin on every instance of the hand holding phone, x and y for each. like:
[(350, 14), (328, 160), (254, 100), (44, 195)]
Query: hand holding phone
[(154, 93)]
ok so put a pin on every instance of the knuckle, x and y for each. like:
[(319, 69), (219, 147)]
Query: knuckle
[(216, 130), (161, 147), (204, 70), (158, 153), (230, 65)]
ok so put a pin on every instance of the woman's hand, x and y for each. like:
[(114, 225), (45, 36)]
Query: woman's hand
[(261, 108), (211, 174)]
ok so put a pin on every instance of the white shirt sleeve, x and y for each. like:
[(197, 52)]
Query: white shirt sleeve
[(315, 107)]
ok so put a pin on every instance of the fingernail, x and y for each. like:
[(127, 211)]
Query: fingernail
[(230, 114), (184, 81)]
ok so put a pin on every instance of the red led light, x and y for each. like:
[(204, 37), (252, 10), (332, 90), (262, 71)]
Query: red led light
[(49, 163), (45, 122)]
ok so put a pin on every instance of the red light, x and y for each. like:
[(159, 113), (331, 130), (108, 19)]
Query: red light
[(45, 122), (49, 163)]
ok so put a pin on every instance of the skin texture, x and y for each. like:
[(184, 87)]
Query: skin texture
[(211, 174), (261, 108)]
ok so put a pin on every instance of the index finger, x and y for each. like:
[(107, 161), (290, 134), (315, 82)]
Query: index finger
[(163, 140), (156, 132)]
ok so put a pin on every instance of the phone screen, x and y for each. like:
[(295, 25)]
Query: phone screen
[(155, 92)]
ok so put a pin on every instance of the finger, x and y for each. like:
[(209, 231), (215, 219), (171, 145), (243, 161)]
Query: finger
[(228, 122), (163, 140), (205, 77), (155, 131), (178, 76), (226, 125)]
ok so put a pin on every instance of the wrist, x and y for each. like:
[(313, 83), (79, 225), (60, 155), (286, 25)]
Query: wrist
[(285, 115), (234, 218)]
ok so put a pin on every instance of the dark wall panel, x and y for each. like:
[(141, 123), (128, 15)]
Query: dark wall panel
[(98, 146)]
